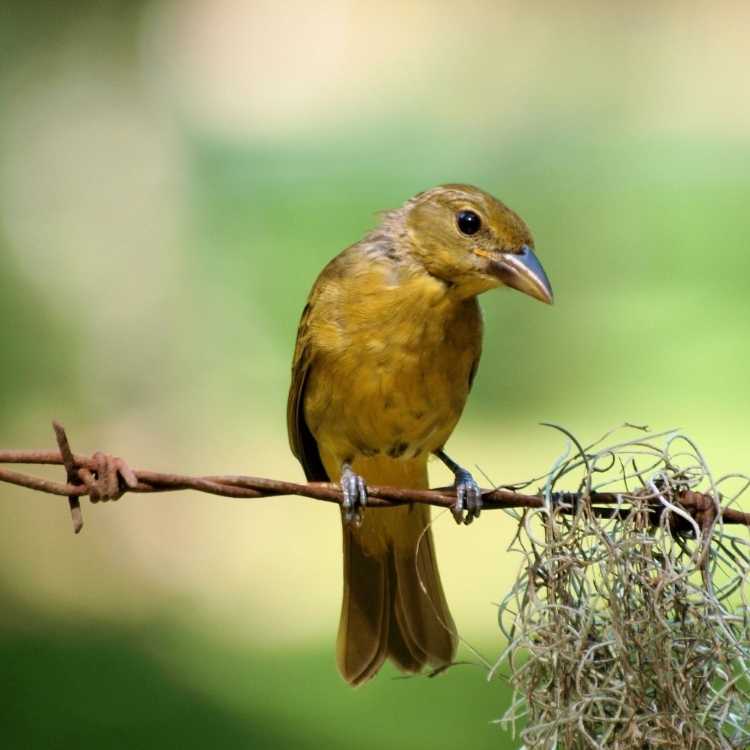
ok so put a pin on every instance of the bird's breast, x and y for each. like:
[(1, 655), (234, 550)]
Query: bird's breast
[(394, 376)]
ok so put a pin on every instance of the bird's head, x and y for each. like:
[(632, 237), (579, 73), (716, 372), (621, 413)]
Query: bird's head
[(473, 242)]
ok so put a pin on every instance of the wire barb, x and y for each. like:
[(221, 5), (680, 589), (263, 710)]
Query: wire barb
[(68, 460)]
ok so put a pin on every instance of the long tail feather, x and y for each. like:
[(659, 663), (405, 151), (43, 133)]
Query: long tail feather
[(363, 628), (393, 604)]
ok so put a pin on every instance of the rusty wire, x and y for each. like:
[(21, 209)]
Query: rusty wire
[(628, 631), (104, 477)]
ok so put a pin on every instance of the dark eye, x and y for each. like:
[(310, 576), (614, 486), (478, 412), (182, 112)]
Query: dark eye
[(468, 222)]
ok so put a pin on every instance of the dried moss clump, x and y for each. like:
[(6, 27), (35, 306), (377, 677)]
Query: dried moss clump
[(628, 626)]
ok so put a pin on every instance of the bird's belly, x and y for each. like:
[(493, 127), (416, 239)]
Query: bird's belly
[(388, 402)]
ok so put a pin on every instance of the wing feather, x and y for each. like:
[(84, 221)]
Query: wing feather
[(301, 440)]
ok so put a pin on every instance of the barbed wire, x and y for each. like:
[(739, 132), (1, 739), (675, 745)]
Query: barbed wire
[(103, 477)]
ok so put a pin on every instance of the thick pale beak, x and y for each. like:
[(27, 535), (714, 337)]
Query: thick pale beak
[(524, 272)]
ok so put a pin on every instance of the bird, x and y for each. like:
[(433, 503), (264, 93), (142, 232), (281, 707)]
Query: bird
[(386, 353)]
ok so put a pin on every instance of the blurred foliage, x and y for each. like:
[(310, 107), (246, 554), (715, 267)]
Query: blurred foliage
[(39, 352), (87, 684)]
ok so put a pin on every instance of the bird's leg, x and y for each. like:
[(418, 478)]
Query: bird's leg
[(468, 492), (355, 494)]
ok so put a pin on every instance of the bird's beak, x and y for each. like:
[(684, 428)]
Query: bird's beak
[(524, 272)]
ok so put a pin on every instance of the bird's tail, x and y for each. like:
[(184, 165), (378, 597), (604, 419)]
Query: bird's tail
[(393, 605)]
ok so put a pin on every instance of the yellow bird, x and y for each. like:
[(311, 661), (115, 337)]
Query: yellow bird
[(387, 349)]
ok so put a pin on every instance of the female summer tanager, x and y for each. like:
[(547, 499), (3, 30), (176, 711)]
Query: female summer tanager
[(387, 349)]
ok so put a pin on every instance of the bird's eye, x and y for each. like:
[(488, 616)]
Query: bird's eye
[(468, 222)]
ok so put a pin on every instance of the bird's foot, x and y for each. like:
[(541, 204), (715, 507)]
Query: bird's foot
[(468, 493), (355, 495), (468, 498)]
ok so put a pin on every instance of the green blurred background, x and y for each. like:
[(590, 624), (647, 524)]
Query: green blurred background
[(172, 177)]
